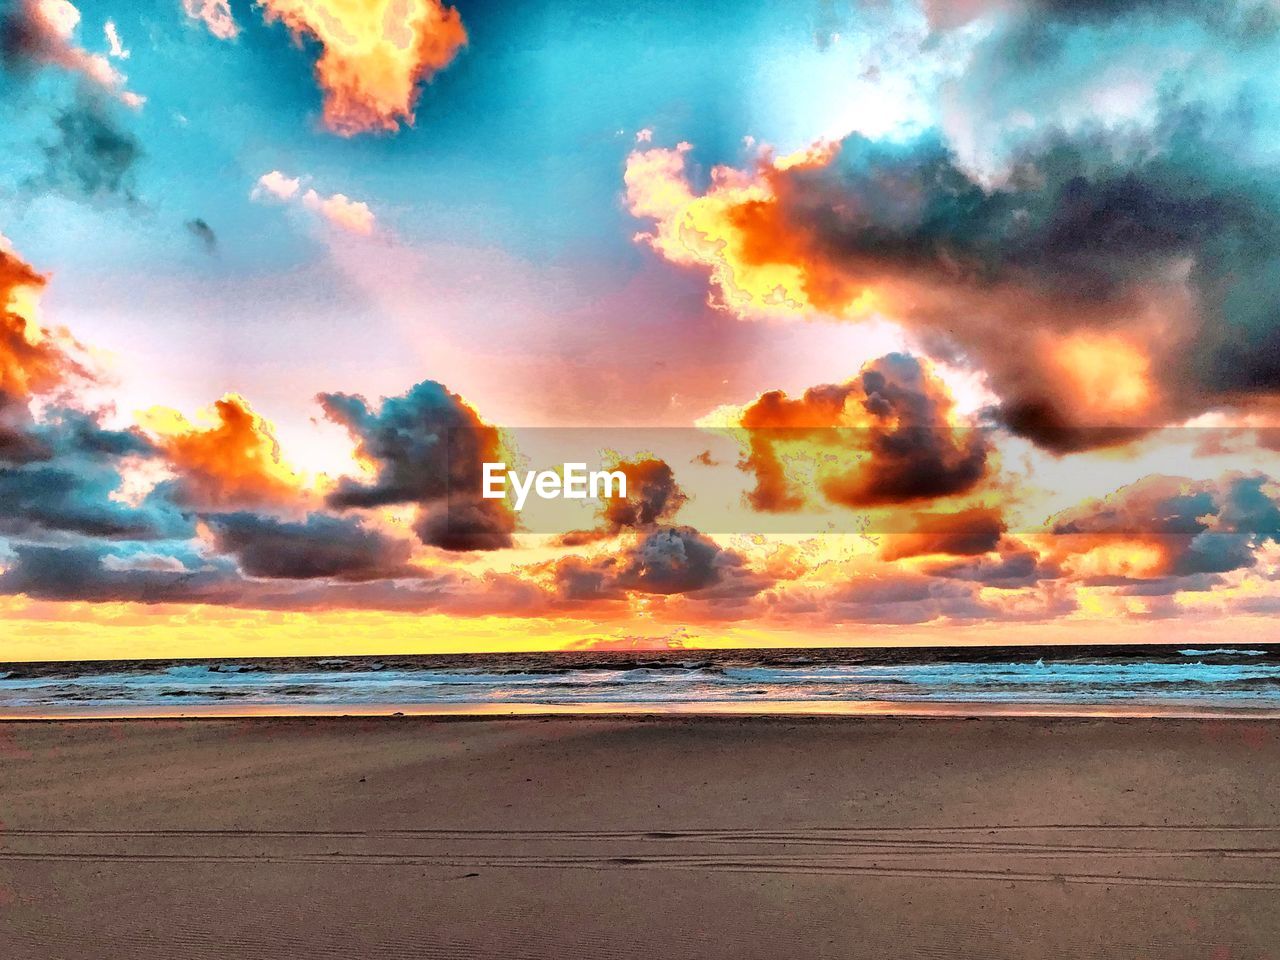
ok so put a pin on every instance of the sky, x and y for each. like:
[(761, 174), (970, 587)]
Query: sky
[(951, 321)]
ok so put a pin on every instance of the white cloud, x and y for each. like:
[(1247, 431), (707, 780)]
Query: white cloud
[(340, 210), (214, 14), (117, 49), (277, 185)]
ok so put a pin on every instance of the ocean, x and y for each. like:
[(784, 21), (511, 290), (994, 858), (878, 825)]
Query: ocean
[(979, 680)]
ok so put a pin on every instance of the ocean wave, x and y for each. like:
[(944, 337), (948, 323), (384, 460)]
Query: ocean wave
[(996, 675)]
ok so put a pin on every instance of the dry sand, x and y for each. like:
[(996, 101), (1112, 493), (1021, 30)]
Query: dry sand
[(640, 838)]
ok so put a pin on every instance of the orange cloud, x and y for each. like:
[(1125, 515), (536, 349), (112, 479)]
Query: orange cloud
[(376, 53), (232, 461), (708, 230), (1172, 527), (886, 437), (966, 533), (31, 361)]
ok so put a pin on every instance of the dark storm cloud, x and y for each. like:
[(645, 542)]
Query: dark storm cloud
[(674, 560), (203, 234), (320, 546), (423, 445), (653, 497), (65, 477), (578, 580), (914, 454), (18, 441), (74, 498), (93, 572), (176, 572), (427, 447), (465, 523), (666, 560), (90, 156)]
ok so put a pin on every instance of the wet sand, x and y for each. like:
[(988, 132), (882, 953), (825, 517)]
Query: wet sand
[(640, 837)]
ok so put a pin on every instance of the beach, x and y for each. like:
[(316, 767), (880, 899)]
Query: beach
[(639, 836)]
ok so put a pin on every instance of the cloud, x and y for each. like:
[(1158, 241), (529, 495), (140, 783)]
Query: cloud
[(681, 560), (116, 47), (178, 573), (85, 520), (579, 580), (653, 497), (965, 533), (891, 427), (60, 473), (231, 459), (32, 360), (893, 598), (275, 184), (963, 595), (203, 233), (41, 33), (465, 523), (1105, 278), (339, 209), (1240, 20), (68, 479), (425, 447), (94, 572), (91, 157), (1013, 567), (321, 546), (214, 14), (1168, 527), (375, 55), (677, 639), (18, 442), (666, 560)]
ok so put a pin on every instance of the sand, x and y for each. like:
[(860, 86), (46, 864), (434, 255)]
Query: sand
[(593, 837)]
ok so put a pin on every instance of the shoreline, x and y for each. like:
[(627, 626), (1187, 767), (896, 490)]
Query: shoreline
[(782, 709)]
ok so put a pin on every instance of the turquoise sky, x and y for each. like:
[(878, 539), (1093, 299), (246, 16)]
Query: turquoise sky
[(503, 249)]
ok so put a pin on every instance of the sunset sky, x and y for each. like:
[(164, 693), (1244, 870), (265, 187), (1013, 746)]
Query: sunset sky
[(921, 323)]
